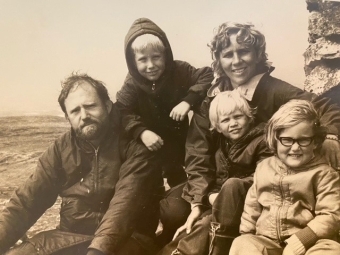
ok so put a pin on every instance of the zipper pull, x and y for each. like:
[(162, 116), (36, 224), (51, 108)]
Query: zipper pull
[(153, 86), (96, 152), (214, 226)]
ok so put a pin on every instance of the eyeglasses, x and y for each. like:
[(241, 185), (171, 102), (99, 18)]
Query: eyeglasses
[(303, 142)]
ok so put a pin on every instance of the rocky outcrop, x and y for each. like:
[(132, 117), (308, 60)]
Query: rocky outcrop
[(322, 57), (322, 78)]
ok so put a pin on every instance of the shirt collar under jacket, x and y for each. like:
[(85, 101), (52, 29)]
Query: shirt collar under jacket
[(247, 90)]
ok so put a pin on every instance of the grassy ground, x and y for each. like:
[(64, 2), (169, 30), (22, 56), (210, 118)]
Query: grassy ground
[(22, 141)]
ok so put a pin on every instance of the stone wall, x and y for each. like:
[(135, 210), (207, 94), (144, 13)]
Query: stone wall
[(322, 57)]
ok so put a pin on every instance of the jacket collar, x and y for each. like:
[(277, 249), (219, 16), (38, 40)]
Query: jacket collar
[(247, 138), (247, 90), (223, 83)]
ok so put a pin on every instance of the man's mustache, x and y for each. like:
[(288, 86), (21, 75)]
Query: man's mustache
[(88, 122)]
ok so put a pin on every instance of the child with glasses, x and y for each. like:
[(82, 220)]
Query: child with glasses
[(293, 205)]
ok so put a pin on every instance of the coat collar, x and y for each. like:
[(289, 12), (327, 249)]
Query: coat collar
[(220, 84)]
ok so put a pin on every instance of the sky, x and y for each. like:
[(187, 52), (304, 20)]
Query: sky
[(44, 41)]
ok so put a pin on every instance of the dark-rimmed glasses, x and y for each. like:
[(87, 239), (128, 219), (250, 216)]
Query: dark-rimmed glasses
[(303, 142)]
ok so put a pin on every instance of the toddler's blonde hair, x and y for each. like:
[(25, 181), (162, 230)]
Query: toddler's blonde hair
[(228, 102)]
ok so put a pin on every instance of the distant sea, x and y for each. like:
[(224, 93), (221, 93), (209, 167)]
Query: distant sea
[(31, 113)]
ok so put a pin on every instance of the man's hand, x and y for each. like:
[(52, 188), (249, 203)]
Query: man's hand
[(331, 151), (179, 112), (196, 212), (151, 140)]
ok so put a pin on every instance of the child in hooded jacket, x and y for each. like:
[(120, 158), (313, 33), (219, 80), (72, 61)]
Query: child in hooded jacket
[(155, 99), (157, 95), (293, 205)]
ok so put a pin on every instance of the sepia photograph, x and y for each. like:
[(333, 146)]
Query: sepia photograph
[(170, 127)]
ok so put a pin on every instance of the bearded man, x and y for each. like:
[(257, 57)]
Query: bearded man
[(108, 184)]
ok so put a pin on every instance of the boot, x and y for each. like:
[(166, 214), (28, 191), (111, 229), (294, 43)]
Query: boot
[(219, 241)]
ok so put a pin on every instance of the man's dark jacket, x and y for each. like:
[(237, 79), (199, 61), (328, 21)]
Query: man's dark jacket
[(108, 193)]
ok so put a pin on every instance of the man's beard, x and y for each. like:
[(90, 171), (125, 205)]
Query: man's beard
[(91, 130)]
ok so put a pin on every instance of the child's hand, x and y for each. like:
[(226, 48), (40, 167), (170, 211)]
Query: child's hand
[(151, 140), (179, 112), (196, 212), (294, 246), (212, 198), (288, 251)]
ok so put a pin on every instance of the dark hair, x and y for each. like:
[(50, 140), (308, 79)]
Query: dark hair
[(246, 34), (75, 80)]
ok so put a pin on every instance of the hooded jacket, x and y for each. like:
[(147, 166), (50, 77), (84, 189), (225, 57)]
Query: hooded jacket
[(239, 159), (232, 160), (106, 192), (147, 104), (269, 95), (301, 202)]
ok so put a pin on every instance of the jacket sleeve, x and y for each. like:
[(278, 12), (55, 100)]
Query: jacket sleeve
[(30, 200), (133, 192), (252, 210), (328, 111), (127, 98), (257, 150), (326, 223), (200, 157), (261, 151), (199, 81)]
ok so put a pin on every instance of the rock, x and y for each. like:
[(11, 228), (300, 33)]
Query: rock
[(322, 49), (313, 5), (322, 78), (322, 57), (324, 24)]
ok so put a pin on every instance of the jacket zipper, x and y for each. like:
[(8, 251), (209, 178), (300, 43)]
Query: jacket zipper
[(95, 175), (153, 86), (96, 171), (214, 226), (278, 224)]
